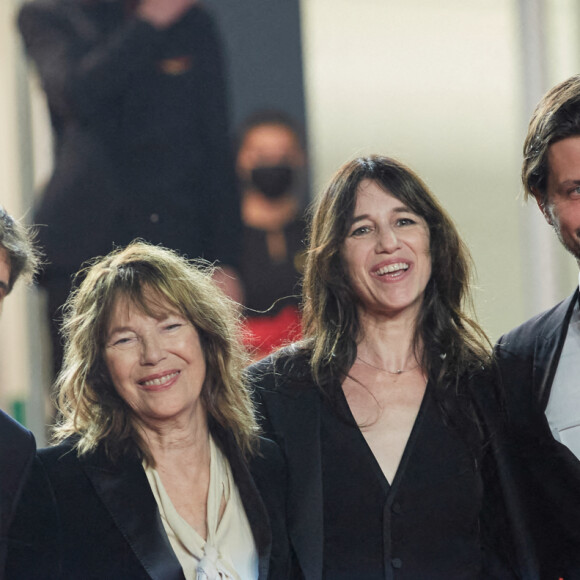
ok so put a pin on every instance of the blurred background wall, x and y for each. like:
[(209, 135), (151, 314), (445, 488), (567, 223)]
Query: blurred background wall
[(447, 87)]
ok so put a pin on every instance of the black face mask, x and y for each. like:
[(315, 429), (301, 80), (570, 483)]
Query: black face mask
[(272, 180)]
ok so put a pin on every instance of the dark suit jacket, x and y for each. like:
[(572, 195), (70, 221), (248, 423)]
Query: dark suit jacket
[(290, 408), (549, 472), (87, 518), (16, 454)]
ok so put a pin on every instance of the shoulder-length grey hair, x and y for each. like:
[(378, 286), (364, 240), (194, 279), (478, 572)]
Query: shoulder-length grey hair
[(153, 279)]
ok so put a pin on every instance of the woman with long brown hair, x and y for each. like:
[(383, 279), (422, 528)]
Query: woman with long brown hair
[(385, 411)]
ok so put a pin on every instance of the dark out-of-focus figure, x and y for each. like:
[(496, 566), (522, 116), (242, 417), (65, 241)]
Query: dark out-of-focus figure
[(137, 99), (271, 166)]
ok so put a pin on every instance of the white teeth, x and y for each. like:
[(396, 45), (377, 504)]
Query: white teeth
[(392, 268), (159, 381)]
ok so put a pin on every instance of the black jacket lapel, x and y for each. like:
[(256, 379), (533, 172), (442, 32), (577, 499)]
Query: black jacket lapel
[(127, 496), (548, 348)]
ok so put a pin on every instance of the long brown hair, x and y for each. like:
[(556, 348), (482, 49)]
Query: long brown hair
[(452, 341)]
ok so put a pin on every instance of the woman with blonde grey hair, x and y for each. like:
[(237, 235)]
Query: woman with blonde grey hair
[(158, 464)]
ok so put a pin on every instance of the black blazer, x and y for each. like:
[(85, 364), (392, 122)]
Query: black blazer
[(87, 518), (550, 473), (16, 454), (290, 408)]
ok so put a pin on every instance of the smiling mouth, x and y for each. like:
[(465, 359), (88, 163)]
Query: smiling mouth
[(392, 269), (158, 382)]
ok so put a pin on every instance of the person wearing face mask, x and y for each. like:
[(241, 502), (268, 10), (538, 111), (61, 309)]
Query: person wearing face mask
[(271, 165)]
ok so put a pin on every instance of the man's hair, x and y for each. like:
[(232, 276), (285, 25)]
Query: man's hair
[(556, 117), (153, 279), (18, 241)]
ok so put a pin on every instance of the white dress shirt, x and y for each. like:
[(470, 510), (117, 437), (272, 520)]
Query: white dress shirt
[(563, 410)]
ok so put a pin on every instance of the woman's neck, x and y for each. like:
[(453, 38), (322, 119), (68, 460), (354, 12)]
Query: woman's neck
[(170, 439), (388, 344)]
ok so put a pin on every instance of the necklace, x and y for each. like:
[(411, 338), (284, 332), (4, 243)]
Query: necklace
[(397, 372)]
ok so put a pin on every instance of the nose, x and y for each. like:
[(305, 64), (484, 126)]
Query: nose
[(387, 240), (152, 351)]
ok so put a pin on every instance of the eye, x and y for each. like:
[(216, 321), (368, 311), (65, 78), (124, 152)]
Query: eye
[(406, 221), (360, 231), (123, 341), (172, 323)]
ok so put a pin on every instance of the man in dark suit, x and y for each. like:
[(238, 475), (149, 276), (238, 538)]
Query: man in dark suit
[(540, 360), (18, 258)]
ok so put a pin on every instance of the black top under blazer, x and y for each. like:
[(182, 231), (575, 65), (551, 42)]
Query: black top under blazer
[(86, 518), (16, 454), (528, 359), (291, 406)]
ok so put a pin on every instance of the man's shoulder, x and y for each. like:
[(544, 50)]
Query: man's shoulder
[(524, 336), (15, 433)]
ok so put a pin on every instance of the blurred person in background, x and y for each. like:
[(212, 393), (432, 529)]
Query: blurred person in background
[(137, 98), (272, 170), (18, 260), (158, 471)]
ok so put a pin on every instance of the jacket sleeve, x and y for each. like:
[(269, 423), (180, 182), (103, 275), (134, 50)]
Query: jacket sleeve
[(17, 451), (504, 535), (34, 538), (532, 498)]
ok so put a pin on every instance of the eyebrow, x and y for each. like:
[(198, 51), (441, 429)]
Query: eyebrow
[(119, 329), (162, 318), (398, 209), (567, 183)]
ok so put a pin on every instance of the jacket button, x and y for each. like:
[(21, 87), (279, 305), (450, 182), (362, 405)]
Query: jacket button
[(397, 563), (154, 218), (396, 508)]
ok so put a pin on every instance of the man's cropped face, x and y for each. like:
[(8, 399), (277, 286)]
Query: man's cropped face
[(4, 275), (562, 208)]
